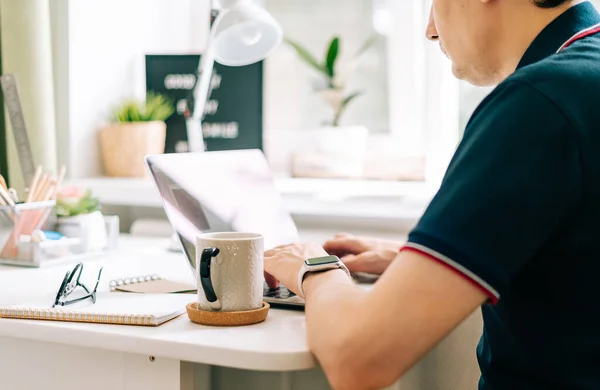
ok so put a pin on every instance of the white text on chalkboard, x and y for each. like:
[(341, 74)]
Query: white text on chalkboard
[(228, 130), (211, 107), (187, 81), (180, 81)]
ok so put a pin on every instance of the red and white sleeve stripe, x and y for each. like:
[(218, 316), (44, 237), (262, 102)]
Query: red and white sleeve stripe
[(454, 266)]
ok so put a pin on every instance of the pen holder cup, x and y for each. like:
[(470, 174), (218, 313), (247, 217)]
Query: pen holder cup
[(18, 224)]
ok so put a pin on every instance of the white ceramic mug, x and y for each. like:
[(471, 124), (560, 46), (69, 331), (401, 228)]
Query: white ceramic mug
[(229, 267)]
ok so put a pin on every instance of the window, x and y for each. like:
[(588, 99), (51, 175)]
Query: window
[(410, 97), (313, 23)]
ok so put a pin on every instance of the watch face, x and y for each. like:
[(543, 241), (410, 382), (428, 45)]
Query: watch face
[(322, 260)]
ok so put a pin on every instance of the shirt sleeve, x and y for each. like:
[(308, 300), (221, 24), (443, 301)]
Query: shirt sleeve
[(513, 182)]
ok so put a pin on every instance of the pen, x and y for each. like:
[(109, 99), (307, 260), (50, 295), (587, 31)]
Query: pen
[(14, 195), (6, 200), (6, 212), (4, 194)]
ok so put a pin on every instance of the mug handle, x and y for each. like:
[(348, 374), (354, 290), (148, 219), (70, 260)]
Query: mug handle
[(205, 261)]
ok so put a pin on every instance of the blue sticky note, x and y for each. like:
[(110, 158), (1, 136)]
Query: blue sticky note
[(53, 235)]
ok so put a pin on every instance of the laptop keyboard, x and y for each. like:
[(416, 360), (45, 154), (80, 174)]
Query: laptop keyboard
[(280, 292)]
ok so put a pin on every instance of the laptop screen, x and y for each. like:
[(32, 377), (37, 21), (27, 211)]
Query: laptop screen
[(220, 191)]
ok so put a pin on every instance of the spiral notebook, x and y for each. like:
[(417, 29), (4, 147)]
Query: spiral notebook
[(150, 284), (110, 308)]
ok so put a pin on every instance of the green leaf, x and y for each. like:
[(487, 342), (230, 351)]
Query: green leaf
[(366, 46), (343, 74), (305, 55), (342, 108), (134, 113), (156, 108), (332, 54), (351, 97), (71, 207)]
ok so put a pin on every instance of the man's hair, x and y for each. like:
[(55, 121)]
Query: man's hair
[(550, 3)]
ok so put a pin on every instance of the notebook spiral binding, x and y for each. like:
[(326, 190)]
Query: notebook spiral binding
[(113, 284), (74, 316)]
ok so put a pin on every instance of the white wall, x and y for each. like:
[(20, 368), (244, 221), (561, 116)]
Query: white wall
[(104, 62)]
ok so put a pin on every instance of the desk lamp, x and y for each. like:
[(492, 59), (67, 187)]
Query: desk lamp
[(241, 33)]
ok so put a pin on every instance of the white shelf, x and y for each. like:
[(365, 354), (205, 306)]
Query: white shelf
[(316, 200), (121, 191)]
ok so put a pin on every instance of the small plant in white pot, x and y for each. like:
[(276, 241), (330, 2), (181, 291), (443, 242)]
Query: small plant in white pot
[(331, 85), (79, 216), (137, 130)]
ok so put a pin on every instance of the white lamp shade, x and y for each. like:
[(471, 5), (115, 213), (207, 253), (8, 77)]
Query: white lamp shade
[(245, 34)]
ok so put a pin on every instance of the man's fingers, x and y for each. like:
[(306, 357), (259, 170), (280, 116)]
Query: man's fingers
[(273, 251), (339, 245), (358, 263), (343, 246), (271, 281), (341, 235)]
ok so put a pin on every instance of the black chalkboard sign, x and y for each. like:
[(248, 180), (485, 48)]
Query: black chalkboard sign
[(234, 112)]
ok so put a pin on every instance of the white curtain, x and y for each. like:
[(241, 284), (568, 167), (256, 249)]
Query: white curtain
[(27, 53)]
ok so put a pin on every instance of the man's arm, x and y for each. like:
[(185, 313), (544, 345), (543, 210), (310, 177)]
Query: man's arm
[(369, 339)]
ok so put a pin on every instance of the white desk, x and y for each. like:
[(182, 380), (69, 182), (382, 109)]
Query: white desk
[(49, 355), (179, 354)]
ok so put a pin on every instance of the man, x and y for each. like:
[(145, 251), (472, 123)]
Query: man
[(513, 229)]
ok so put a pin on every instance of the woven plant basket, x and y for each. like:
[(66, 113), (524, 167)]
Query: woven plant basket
[(124, 146)]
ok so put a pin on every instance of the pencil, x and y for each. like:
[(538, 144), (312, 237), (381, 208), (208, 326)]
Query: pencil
[(61, 177), (37, 218), (49, 193), (34, 183), (41, 188)]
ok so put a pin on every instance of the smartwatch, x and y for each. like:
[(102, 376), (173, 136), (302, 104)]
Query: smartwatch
[(319, 264)]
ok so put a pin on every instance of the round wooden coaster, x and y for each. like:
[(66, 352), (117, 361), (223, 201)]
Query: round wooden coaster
[(226, 318)]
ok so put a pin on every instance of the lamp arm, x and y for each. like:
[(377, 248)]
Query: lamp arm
[(201, 92), (230, 3), (200, 97)]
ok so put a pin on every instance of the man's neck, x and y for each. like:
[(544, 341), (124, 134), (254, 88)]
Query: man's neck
[(522, 24)]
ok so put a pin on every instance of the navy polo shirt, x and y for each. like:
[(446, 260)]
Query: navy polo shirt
[(518, 214)]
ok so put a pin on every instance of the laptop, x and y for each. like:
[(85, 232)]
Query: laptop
[(224, 191)]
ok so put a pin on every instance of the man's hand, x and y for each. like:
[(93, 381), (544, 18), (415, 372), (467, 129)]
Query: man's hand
[(363, 254), (283, 263)]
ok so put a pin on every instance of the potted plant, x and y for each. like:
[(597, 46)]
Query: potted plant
[(79, 216), (138, 129), (347, 144)]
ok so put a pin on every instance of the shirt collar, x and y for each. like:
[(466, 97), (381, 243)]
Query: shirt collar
[(560, 30)]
